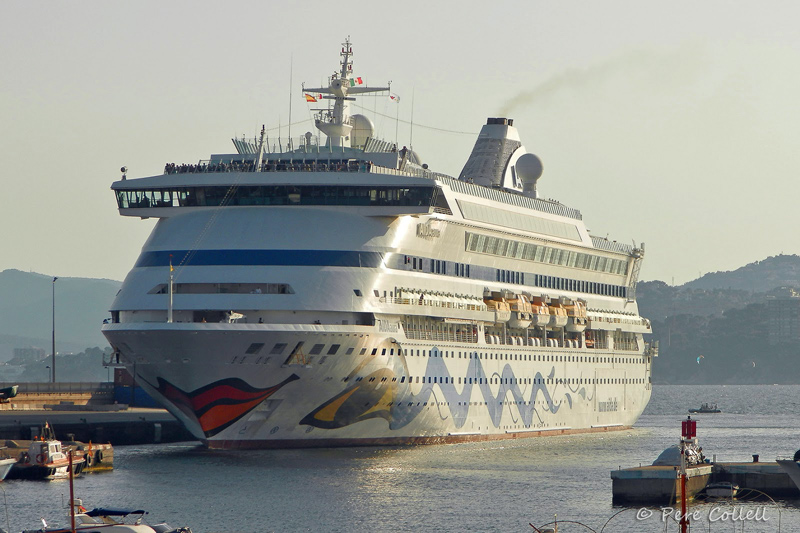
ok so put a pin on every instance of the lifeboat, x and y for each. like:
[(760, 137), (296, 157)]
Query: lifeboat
[(540, 314), (558, 314), (521, 311), (576, 315), (495, 301)]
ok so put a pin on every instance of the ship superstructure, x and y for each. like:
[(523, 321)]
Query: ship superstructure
[(342, 293)]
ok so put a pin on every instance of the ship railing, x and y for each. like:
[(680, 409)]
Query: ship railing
[(597, 344), (434, 303), (603, 243), (631, 346), (633, 321), (205, 166), (428, 335)]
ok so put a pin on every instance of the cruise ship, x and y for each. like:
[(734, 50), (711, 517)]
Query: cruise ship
[(335, 291)]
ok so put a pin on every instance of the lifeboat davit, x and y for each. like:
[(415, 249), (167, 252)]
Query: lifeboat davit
[(521, 311), (495, 301), (558, 315), (576, 315), (540, 314)]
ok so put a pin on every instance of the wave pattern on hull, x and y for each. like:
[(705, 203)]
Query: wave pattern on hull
[(376, 395)]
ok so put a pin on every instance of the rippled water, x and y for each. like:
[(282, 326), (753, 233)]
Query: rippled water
[(466, 487)]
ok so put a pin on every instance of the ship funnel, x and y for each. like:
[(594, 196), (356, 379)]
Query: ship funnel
[(499, 160), (487, 163)]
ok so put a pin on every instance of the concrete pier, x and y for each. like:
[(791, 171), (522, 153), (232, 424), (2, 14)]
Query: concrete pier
[(86, 412), (657, 484), (661, 485), (122, 427)]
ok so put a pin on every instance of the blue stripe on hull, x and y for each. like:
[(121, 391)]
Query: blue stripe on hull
[(339, 258)]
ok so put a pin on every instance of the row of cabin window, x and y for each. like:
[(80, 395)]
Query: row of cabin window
[(317, 349), (509, 381), (525, 357), (509, 276), (526, 251), (437, 266), (576, 285)]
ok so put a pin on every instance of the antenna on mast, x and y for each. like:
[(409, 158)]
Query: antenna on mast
[(411, 135), (291, 72)]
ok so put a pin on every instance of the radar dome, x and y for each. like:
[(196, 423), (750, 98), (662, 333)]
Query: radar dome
[(363, 129), (529, 170)]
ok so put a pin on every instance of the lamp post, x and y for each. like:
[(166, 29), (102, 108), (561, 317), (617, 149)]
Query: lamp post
[(53, 363)]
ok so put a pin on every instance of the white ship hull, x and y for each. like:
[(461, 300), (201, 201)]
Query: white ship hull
[(460, 393)]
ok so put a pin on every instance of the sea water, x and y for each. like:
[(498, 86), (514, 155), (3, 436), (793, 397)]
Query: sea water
[(489, 486)]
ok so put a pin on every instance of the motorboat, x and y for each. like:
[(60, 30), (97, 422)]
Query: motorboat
[(5, 467), (111, 520), (706, 408), (721, 489), (46, 459)]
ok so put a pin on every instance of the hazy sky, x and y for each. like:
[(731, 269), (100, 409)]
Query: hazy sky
[(673, 123)]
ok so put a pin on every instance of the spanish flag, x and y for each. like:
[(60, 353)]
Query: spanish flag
[(310, 98)]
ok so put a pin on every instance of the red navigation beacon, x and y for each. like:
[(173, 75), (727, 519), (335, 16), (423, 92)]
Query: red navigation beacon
[(689, 428)]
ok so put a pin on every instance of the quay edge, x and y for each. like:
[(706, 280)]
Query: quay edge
[(661, 484)]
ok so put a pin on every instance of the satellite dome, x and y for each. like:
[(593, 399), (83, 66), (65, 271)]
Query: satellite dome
[(529, 170), (363, 129)]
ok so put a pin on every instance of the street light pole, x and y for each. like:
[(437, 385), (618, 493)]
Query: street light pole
[(53, 363)]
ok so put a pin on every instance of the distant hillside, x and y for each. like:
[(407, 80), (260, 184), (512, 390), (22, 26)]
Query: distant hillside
[(26, 311), (761, 276), (723, 317), (717, 292)]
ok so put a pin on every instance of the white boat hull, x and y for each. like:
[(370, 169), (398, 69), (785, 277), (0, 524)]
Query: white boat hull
[(460, 392)]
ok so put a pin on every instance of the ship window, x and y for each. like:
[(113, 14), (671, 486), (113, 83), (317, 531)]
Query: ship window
[(333, 349), (254, 348), (362, 352), (383, 351), (377, 294), (374, 351), (358, 292), (278, 348), (316, 349)]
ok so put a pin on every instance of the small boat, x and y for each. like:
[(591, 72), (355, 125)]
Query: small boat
[(706, 408), (5, 467), (111, 520), (45, 459), (7, 393), (722, 489), (102, 519)]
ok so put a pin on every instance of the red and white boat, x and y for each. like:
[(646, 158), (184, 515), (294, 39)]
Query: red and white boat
[(45, 459)]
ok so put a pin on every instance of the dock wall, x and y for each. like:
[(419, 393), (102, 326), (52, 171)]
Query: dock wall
[(661, 485)]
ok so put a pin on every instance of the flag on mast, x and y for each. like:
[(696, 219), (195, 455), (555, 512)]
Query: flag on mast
[(394, 97), (310, 98)]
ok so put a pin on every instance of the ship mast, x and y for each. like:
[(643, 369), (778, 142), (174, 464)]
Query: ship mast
[(337, 124)]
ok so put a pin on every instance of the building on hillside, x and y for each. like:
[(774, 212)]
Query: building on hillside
[(783, 316), (23, 356)]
